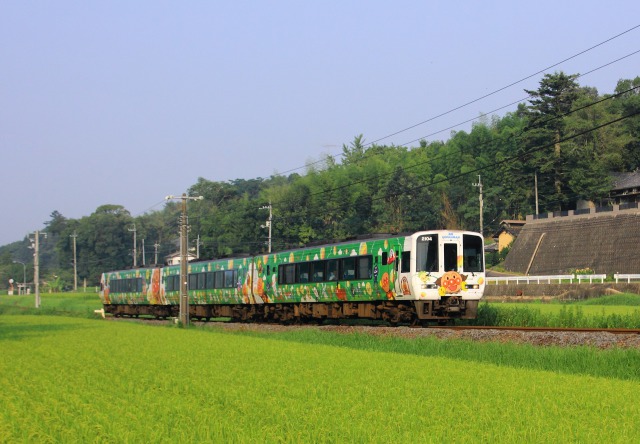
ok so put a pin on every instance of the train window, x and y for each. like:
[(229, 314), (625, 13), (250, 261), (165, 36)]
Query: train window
[(202, 278), (364, 267), (472, 253), (348, 266), (385, 256), (317, 271), (332, 270), (219, 279), (427, 253), (193, 281), (303, 272), (176, 282), (229, 280), (139, 285), (290, 273), (450, 257), (405, 258), (210, 280)]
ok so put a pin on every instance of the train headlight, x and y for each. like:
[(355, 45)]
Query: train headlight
[(428, 286)]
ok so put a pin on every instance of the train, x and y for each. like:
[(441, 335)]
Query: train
[(417, 279)]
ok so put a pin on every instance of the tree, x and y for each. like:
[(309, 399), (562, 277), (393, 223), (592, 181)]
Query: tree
[(546, 127)]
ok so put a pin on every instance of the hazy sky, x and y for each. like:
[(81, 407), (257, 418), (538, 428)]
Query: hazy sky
[(124, 102)]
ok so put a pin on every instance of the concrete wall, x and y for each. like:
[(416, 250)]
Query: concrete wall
[(607, 242)]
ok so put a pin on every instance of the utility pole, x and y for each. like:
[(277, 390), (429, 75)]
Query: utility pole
[(75, 265), (184, 224), (156, 246), (198, 243), (479, 185), (35, 243), (268, 223), (536, 190), (135, 251), (144, 262)]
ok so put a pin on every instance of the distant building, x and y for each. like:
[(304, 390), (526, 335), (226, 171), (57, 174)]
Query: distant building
[(174, 259), (508, 231), (626, 188)]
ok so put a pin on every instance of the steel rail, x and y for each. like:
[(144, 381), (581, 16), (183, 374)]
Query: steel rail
[(541, 329)]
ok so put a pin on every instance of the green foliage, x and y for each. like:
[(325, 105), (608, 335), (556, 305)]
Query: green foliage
[(375, 188)]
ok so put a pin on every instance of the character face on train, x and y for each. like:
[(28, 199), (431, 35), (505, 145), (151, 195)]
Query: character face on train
[(451, 282)]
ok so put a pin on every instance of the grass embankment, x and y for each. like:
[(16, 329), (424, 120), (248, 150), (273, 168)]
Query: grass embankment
[(614, 311), (66, 304), (75, 380)]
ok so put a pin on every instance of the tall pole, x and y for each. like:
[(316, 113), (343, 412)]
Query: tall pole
[(536, 186), (135, 251), (36, 265), (184, 243), (184, 296), (479, 185), (268, 223), (156, 246), (144, 262), (75, 264)]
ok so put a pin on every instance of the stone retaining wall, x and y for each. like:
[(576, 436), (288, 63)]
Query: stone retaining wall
[(565, 291)]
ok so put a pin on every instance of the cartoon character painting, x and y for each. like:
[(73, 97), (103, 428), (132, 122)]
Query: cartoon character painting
[(451, 282), (154, 295)]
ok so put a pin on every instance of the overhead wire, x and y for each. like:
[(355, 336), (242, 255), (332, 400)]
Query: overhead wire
[(430, 119)]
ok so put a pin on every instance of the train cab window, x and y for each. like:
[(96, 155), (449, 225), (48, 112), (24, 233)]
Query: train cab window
[(427, 253), (450, 257), (405, 260), (332, 270), (472, 253), (364, 267)]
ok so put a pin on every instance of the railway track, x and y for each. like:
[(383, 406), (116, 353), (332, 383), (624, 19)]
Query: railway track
[(537, 336), (542, 329)]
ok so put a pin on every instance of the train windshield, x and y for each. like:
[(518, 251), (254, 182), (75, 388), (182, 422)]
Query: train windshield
[(427, 253), (473, 253)]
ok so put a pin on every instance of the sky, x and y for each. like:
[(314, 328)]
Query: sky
[(125, 102)]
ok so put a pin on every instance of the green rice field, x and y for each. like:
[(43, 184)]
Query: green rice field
[(615, 311), (66, 379)]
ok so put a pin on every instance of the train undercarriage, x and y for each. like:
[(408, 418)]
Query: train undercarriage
[(393, 312)]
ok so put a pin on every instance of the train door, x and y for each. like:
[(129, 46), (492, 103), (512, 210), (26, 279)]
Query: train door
[(403, 270), (450, 256)]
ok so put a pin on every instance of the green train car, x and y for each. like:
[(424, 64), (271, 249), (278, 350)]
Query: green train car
[(425, 276)]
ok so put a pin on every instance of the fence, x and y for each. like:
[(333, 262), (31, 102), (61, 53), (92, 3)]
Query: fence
[(628, 277), (559, 278)]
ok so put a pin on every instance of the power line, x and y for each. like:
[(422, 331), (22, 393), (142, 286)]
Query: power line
[(488, 94)]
